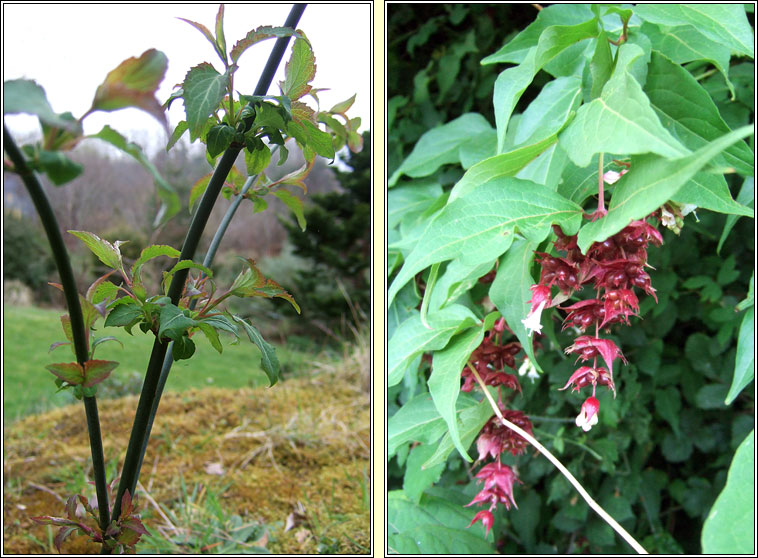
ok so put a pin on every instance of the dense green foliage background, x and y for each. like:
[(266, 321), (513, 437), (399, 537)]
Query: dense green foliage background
[(667, 441)]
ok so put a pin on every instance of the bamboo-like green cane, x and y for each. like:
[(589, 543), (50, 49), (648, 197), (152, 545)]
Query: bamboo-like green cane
[(62, 262), (147, 403)]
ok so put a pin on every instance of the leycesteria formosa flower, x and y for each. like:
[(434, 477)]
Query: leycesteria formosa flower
[(540, 299), (588, 415), (485, 516), (498, 486)]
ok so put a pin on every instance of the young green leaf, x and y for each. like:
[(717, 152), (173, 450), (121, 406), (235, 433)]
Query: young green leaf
[(208, 35), (173, 322), (124, 315), (221, 322), (204, 89), (198, 189), (106, 252), (183, 348), (295, 205), (220, 41), (211, 334), (251, 282), (219, 138), (257, 160), (341, 108), (58, 168), (269, 361), (177, 133), (133, 84), (149, 253), (744, 366)]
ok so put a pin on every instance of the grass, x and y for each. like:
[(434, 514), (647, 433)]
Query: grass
[(28, 388)]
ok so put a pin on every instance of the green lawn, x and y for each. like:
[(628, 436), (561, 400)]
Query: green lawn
[(29, 388)]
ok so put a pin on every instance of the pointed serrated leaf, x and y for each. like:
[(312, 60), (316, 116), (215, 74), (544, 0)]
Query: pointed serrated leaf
[(173, 322), (70, 372), (204, 89), (95, 371), (299, 71), (123, 315), (133, 84), (106, 252), (219, 138), (261, 34), (652, 181), (269, 361), (481, 225), (149, 253), (211, 334)]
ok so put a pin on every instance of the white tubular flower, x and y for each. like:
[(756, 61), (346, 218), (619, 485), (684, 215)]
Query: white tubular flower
[(528, 369), (532, 320)]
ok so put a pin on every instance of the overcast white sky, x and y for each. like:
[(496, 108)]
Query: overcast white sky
[(68, 49)]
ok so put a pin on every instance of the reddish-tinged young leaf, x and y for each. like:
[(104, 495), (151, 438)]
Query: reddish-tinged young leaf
[(134, 524), (261, 34), (70, 372), (343, 106), (63, 534), (126, 504), (133, 84), (220, 39), (299, 71), (95, 371), (295, 178), (300, 112), (252, 282)]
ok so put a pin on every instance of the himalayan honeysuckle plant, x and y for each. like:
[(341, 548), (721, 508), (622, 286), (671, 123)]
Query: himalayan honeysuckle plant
[(187, 301), (520, 256)]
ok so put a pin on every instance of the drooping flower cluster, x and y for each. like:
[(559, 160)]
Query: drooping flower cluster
[(490, 360), (613, 268)]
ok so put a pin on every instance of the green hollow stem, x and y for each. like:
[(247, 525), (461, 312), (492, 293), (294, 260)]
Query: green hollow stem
[(564, 471), (149, 397), (62, 262), (168, 360)]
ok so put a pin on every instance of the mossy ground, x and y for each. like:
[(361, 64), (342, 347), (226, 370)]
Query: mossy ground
[(299, 450)]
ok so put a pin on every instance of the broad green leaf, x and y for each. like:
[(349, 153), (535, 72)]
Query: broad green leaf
[(133, 84), (436, 540), (744, 365), (686, 108), (170, 199), (746, 198), (482, 224), (601, 66), (652, 181), (269, 361), (668, 404), (725, 24), (546, 169), (511, 83), (457, 281), (106, 252), (419, 421), (406, 202), (219, 138), (548, 112), (730, 526), (189, 264), (440, 146), (204, 89), (27, 97), (257, 160), (294, 204), (70, 372), (510, 291), (319, 141), (556, 14), (445, 381), (182, 348), (710, 191), (417, 479), (59, 168), (149, 253), (261, 34), (621, 120), (472, 420), (578, 183), (412, 338), (500, 166), (173, 322), (299, 71), (685, 43), (95, 371), (124, 315)]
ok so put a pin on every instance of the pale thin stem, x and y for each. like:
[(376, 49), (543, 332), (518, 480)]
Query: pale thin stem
[(566, 473), (600, 185)]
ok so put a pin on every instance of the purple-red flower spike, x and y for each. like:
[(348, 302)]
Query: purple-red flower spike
[(591, 347), (485, 516), (498, 486)]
